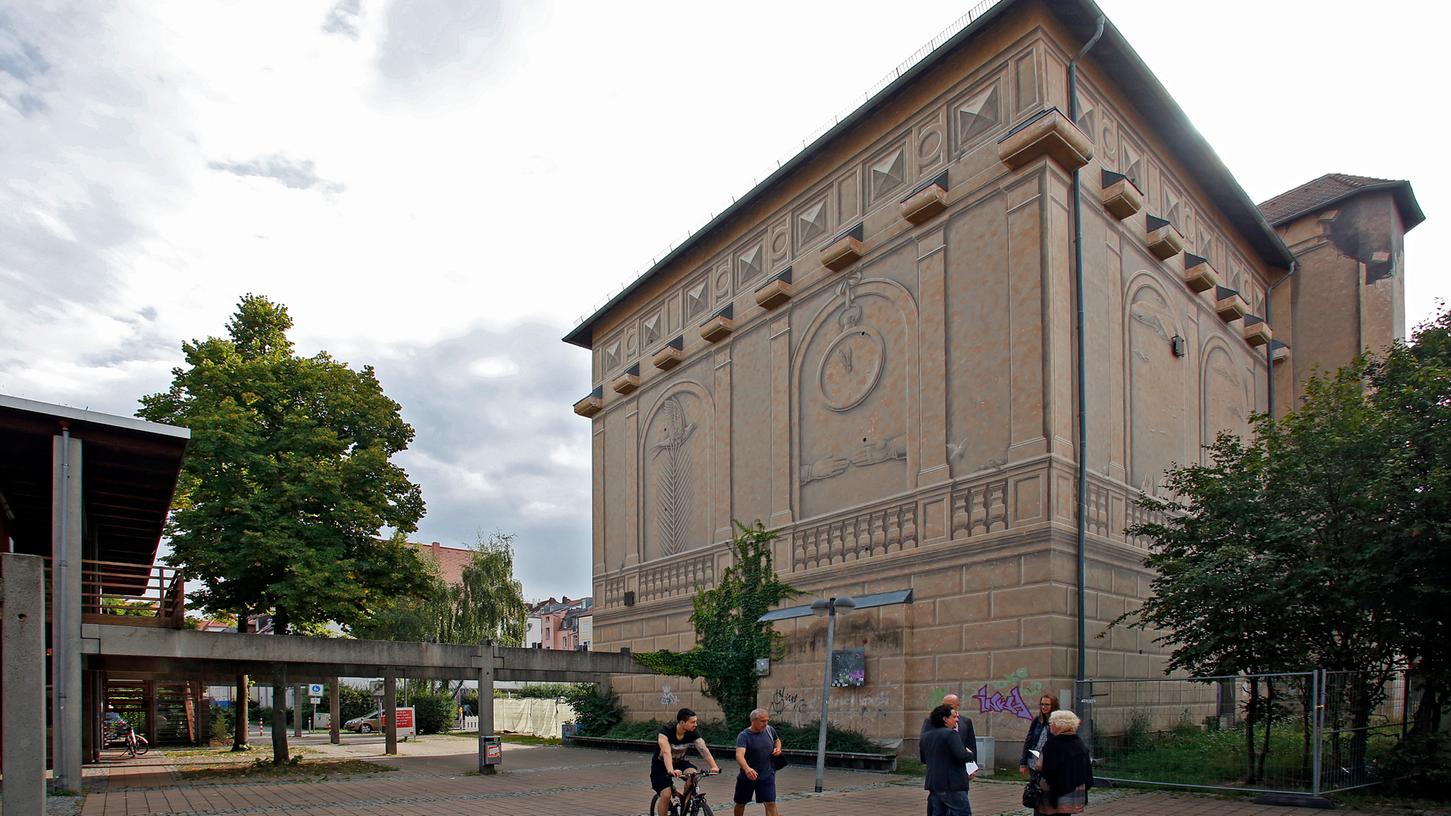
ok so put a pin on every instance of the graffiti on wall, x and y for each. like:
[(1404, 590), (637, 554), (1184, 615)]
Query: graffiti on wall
[(996, 702), (854, 707), (787, 704), (667, 696), (1006, 695)]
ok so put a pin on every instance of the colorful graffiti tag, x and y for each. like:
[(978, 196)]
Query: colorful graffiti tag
[(997, 702)]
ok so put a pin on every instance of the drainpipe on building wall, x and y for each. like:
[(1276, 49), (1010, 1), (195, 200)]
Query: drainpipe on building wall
[(1270, 347), (1082, 525), (60, 602)]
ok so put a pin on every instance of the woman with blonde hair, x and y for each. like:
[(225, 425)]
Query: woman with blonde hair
[(1066, 769)]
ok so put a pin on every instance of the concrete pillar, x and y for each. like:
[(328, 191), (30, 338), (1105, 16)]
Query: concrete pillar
[(390, 711), (90, 751), (334, 707), (23, 650), (486, 703), (299, 695), (148, 697), (65, 664)]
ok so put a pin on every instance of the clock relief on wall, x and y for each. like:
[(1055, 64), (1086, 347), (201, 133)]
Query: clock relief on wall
[(852, 364)]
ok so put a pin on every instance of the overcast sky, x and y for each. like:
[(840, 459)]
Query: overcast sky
[(442, 188)]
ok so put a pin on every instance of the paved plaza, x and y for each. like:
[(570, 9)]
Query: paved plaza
[(433, 779)]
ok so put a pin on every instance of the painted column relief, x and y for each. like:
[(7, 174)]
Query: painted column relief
[(854, 382), (675, 473), (1156, 390)]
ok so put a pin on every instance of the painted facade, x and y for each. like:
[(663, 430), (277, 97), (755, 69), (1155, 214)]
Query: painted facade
[(906, 419)]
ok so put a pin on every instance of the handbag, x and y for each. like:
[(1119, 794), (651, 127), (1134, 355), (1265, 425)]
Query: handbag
[(778, 761), (1031, 792)]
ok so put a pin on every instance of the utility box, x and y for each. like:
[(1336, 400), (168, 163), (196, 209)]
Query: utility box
[(493, 751)]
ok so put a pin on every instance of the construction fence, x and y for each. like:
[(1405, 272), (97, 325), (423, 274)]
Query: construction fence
[(1312, 732)]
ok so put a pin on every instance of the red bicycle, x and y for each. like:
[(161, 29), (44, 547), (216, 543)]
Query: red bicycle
[(136, 745)]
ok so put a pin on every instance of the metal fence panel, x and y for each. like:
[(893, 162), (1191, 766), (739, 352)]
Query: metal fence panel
[(1292, 732)]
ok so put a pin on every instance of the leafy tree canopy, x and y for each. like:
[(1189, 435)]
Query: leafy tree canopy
[(288, 484), (486, 604), (728, 635)]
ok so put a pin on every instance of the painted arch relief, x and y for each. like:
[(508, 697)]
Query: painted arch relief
[(1158, 382), (675, 473), (854, 377), (1227, 398)]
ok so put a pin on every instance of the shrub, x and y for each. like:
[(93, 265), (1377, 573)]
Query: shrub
[(596, 709), (354, 702), (222, 719), (1421, 767), (433, 713)]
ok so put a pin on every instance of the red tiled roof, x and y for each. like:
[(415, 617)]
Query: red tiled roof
[(1333, 187), (450, 560)]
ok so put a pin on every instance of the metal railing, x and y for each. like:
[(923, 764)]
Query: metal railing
[(1312, 732), (131, 594)]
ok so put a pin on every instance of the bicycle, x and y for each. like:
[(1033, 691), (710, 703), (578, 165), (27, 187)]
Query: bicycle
[(687, 802), (136, 745)]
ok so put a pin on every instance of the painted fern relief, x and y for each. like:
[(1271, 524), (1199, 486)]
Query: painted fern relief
[(673, 472)]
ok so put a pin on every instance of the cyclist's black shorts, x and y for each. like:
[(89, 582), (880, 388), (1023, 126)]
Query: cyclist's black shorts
[(659, 779)]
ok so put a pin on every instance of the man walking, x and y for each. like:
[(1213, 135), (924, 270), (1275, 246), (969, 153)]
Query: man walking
[(940, 749), (754, 748)]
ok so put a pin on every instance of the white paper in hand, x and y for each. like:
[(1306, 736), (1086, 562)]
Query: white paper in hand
[(971, 769)]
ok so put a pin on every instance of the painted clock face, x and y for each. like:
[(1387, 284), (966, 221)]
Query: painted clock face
[(851, 367)]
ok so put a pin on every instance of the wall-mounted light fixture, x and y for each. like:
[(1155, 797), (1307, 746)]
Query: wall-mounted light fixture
[(1176, 344)]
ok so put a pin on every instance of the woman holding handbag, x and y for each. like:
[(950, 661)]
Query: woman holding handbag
[(1066, 768)]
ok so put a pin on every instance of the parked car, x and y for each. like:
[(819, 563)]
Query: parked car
[(365, 724)]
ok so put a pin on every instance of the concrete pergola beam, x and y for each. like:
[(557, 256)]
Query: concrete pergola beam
[(189, 654)]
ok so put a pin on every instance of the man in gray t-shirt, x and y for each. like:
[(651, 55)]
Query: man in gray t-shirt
[(754, 748)]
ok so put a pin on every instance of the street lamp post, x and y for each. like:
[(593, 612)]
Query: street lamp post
[(827, 607)]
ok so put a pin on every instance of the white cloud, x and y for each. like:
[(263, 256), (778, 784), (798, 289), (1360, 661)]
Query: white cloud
[(504, 166), (493, 367)]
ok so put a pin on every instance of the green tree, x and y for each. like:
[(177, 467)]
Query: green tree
[(1218, 598), (487, 604), (1412, 386), (288, 481), (729, 637), (1279, 553)]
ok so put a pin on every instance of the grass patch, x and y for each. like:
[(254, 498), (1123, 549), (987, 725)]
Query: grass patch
[(1187, 755), (910, 766), (530, 739), (516, 739), (1374, 801), (295, 771)]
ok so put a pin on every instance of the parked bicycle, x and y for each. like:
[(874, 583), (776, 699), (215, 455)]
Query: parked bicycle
[(686, 801), (136, 745)]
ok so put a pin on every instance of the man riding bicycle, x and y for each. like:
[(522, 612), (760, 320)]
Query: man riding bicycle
[(669, 761)]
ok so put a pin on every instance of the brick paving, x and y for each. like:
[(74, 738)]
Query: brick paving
[(433, 779)]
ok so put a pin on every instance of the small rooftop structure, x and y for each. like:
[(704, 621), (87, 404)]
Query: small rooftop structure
[(1332, 188)]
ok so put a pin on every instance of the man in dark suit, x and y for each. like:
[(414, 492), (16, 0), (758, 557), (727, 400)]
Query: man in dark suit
[(964, 725), (941, 750)]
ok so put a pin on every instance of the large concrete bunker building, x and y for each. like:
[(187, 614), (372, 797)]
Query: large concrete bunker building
[(876, 352)]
